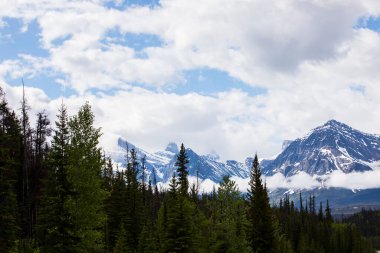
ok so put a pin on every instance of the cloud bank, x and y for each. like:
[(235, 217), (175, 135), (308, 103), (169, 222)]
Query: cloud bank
[(299, 182), (315, 60)]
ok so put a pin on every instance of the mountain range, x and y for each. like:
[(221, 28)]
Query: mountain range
[(330, 148)]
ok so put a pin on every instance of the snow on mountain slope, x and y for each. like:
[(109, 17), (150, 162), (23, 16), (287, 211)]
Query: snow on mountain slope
[(333, 146), (163, 163)]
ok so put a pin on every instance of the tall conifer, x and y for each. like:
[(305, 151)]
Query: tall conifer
[(182, 171), (261, 232), (85, 163)]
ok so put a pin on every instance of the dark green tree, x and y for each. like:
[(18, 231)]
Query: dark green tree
[(39, 170), (261, 232), (329, 218), (134, 210), (10, 158), (121, 245), (229, 219), (115, 206), (175, 221), (55, 226), (85, 162), (182, 171)]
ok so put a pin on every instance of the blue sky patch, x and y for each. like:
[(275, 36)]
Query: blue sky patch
[(46, 83), (136, 41), (208, 81), (123, 4), (14, 42), (372, 23)]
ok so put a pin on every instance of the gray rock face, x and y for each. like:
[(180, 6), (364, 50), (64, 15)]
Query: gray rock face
[(333, 146)]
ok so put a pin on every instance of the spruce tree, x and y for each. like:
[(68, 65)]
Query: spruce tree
[(261, 232), (39, 170), (120, 246), (329, 218), (55, 225), (85, 204), (229, 219), (10, 157), (24, 194), (115, 206), (133, 203), (182, 171), (179, 209)]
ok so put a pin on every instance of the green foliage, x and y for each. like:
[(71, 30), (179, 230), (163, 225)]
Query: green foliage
[(133, 203), (10, 157), (181, 162), (121, 246), (85, 204), (115, 208), (229, 219), (261, 232), (56, 228)]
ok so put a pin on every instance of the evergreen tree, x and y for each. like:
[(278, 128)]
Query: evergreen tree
[(229, 219), (85, 163), (175, 221), (181, 163), (320, 212), (115, 207), (39, 168), (55, 223), (121, 246), (10, 157), (328, 212), (261, 233), (24, 194), (133, 203)]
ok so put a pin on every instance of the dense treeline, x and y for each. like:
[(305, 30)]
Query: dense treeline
[(64, 195), (368, 223)]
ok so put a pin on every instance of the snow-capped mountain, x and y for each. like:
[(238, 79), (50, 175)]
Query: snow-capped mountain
[(163, 163), (333, 146), (207, 167), (330, 147)]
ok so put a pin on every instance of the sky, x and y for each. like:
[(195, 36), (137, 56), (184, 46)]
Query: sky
[(227, 77)]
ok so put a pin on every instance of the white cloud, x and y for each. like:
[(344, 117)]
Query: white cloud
[(356, 181), (252, 41), (306, 53), (301, 181)]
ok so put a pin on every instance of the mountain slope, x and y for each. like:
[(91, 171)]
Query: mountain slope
[(163, 163), (333, 146), (207, 167)]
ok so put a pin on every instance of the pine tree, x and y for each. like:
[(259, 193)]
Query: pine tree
[(133, 203), (55, 229), (261, 234), (24, 194), (39, 168), (320, 212), (175, 221), (85, 163), (229, 219), (10, 157), (120, 246), (328, 212), (182, 171), (116, 208)]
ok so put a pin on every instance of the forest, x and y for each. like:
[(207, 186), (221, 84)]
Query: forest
[(59, 192)]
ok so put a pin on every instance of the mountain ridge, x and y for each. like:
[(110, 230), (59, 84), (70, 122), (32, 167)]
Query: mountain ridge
[(333, 146), (327, 148)]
